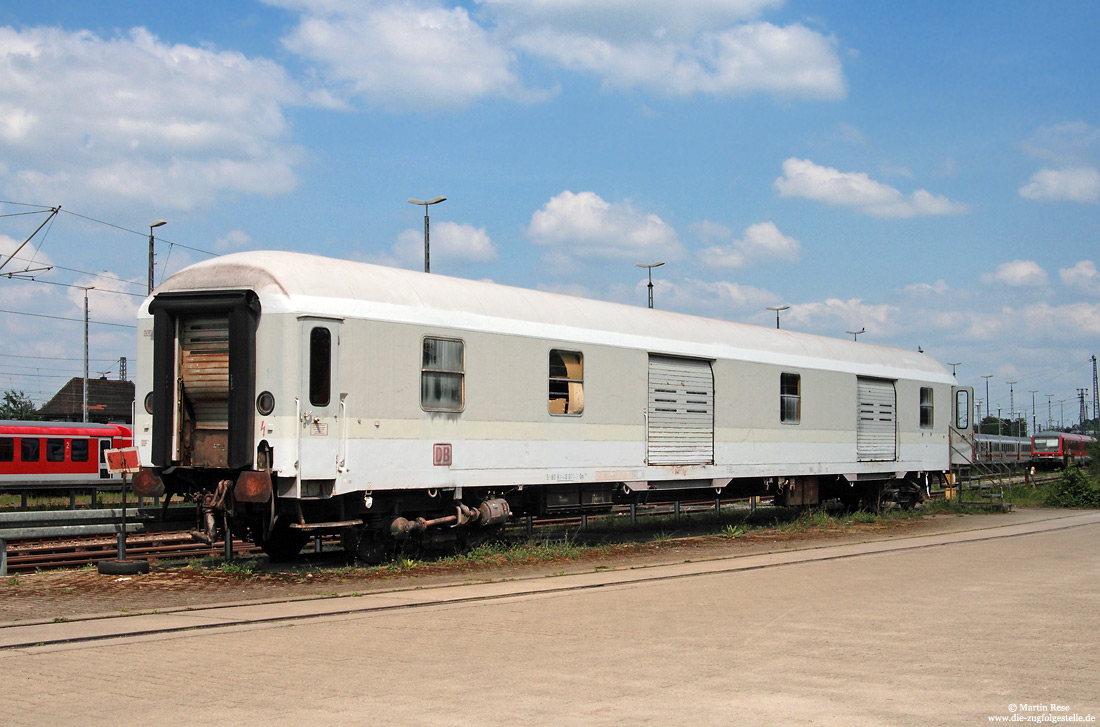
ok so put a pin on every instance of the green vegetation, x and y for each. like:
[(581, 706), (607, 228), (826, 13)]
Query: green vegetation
[(524, 553), (1074, 489), (242, 569), (734, 531), (16, 405)]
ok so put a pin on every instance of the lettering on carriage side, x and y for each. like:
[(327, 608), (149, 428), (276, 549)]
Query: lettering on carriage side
[(441, 455)]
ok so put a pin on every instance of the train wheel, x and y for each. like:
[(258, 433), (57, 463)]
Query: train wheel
[(372, 548), (282, 543)]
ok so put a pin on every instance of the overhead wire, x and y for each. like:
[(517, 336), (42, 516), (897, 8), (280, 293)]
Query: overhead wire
[(81, 287), (87, 272), (63, 318), (138, 232), (52, 358)]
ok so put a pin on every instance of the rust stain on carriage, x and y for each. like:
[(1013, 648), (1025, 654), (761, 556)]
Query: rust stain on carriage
[(147, 483), (209, 448), (253, 487)]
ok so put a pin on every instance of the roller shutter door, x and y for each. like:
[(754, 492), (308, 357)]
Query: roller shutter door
[(876, 431), (681, 412), (204, 370)]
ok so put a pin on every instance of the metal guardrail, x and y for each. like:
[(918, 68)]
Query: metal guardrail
[(27, 525)]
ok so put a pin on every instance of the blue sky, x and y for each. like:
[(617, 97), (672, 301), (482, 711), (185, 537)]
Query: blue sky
[(927, 171)]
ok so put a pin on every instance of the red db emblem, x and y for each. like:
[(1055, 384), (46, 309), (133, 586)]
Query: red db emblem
[(441, 455)]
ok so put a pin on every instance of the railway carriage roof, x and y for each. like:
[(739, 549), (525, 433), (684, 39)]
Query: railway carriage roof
[(314, 285), (47, 428)]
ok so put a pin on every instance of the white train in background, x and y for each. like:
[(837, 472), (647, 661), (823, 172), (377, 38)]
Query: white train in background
[(290, 394)]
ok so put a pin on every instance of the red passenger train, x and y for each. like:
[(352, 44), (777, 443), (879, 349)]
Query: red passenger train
[(57, 452), (1058, 449)]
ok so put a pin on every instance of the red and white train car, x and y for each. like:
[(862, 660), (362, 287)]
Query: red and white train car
[(1058, 449), (57, 452)]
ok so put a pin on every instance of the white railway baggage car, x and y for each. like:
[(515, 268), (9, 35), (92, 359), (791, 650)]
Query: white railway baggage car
[(290, 394)]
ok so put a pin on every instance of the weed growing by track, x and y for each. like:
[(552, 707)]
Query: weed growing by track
[(1074, 489)]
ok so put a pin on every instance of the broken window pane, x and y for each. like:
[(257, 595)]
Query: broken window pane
[(566, 382)]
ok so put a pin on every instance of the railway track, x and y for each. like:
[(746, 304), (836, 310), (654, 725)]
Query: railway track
[(74, 552), (44, 553)]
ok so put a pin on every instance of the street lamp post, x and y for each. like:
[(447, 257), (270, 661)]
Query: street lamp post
[(777, 308), (1011, 407), (1034, 421), (988, 403), (158, 223), (84, 407), (855, 334), (649, 267), (437, 200), (953, 365)]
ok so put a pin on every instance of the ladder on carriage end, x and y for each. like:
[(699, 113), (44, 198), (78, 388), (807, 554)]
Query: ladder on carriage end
[(992, 482)]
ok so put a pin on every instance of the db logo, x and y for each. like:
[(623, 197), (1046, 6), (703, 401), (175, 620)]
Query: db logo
[(441, 455)]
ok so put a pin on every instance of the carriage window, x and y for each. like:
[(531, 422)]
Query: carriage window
[(80, 450), (28, 450), (320, 366), (55, 450), (790, 398), (442, 375), (962, 409), (926, 408), (566, 382), (7, 449)]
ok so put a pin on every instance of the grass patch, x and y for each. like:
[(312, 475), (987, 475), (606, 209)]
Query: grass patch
[(242, 569), (734, 531)]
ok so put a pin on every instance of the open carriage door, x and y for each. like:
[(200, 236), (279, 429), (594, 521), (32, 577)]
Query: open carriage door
[(319, 400), (962, 425)]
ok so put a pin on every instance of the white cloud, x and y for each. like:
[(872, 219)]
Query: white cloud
[(130, 118), (1065, 145), (583, 225), (448, 242), (1081, 184), (1042, 321), (1017, 274), (26, 258), (108, 302), (803, 178), (834, 316), (425, 54), (1083, 276), (406, 55), (939, 288), (627, 18), (750, 58), (234, 241), (761, 241)]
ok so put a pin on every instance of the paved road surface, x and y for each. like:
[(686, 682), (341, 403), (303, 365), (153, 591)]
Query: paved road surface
[(950, 629)]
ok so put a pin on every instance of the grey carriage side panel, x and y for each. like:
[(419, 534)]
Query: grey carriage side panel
[(876, 428), (680, 412)]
